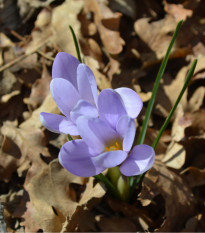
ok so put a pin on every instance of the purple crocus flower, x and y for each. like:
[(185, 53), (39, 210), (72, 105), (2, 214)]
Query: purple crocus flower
[(106, 141), (74, 89)]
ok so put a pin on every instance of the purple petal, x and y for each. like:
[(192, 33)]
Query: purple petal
[(111, 158), (87, 84), (110, 107), (139, 161), (58, 124), (75, 157), (96, 133), (126, 128), (65, 66), (131, 100), (64, 94), (83, 108)]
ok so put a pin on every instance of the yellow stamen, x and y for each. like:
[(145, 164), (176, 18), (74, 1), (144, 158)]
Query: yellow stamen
[(114, 147)]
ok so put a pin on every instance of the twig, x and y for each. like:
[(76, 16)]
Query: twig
[(44, 55), (18, 59)]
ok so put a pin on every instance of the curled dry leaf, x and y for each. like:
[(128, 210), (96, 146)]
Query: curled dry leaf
[(48, 105), (177, 11), (179, 200), (194, 176), (63, 16), (175, 155), (9, 86), (157, 36), (108, 25), (82, 219), (40, 89), (22, 146), (50, 199)]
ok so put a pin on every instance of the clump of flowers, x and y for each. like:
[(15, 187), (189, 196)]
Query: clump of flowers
[(105, 123)]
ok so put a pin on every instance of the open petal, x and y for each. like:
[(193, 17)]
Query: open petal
[(64, 94), (87, 86), (110, 107), (139, 161), (110, 159), (75, 156), (126, 128), (132, 101), (96, 133), (58, 124), (83, 108), (65, 66)]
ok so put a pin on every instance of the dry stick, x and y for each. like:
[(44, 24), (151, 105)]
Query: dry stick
[(44, 55), (18, 59)]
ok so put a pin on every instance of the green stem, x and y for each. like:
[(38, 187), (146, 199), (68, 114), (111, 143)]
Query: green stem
[(156, 85), (188, 77), (108, 184), (76, 44), (69, 137)]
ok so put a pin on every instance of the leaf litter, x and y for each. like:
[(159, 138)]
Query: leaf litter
[(123, 42)]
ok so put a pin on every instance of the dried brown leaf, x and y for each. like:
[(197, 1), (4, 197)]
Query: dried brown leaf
[(177, 11), (194, 176), (40, 89), (108, 25), (48, 105), (179, 200), (23, 147), (63, 16), (82, 219), (50, 201)]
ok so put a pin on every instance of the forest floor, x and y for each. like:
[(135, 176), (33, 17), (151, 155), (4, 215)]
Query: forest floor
[(123, 42)]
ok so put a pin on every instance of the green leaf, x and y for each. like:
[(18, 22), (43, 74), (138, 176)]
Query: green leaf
[(188, 77), (156, 85), (76, 44)]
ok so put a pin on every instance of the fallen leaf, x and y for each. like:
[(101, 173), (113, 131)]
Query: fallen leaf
[(23, 145), (40, 89), (50, 201), (175, 155), (48, 105), (179, 200), (194, 176), (108, 25), (63, 16), (82, 219), (177, 11)]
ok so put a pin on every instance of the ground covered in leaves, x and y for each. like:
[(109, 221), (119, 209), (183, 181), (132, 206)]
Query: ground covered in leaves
[(123, 42)]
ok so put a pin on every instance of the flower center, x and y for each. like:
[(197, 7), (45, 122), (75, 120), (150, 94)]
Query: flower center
[(114, 147)]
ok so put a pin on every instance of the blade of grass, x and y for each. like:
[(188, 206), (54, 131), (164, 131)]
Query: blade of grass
[(76, 44), (156, 85), (138, 179), (133, 180), (188, 77)]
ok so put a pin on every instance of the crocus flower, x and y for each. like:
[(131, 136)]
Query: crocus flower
[(106, 141), (74, 89)]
